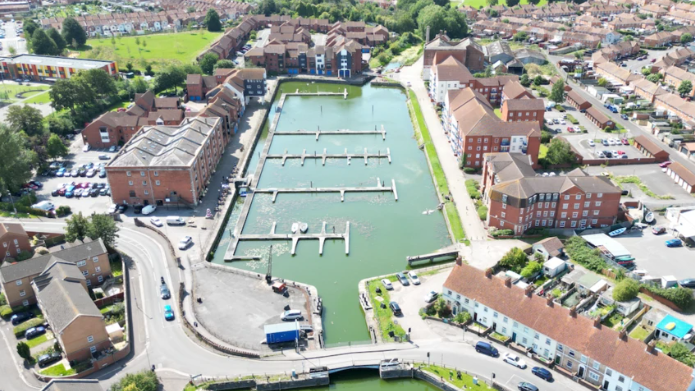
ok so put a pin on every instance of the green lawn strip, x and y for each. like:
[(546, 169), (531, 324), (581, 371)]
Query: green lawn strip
[(442, 185), (58, 370), (43, 97), (105, 309), (34, 342), (621, 180), (498, 112), (449, 374), (663, 346), (384, 316), (639, 333), (116, 269), (543, 151), (613, 320), (572, 120)]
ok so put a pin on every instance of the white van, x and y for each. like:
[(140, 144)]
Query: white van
[(291, 315), (175, 220), (44, 205)]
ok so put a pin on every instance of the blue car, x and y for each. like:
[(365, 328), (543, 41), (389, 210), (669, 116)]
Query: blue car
[(60, 172), (542, 373), (34, 332), (70, 192), (168, 313), (674, 243)]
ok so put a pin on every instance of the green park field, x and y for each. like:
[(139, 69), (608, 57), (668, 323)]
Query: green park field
[(159, 49)]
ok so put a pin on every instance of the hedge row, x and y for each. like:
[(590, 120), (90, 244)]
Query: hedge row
[(6, 311), (22, 327), (682, 297)]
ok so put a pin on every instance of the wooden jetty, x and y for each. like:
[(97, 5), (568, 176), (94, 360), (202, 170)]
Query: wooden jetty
[(342, 190), (319, 132), (447, 252), (323, 156)]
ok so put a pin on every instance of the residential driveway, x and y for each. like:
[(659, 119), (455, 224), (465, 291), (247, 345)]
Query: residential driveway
[(483, 255)]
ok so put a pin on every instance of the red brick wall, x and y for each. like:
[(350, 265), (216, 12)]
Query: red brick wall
[(91, 136), (487, 144), (522, 115), (173, 179), (9, 248), (195, 90)]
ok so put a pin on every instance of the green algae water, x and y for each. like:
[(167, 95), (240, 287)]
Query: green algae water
[(383, 231), (365, 380)]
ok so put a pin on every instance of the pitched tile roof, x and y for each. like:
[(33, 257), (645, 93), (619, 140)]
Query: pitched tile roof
[(655, 371), (514, 90), (15, 228), (685, 174), (552, 245), (452, 69), (648, 144), (524, 104)]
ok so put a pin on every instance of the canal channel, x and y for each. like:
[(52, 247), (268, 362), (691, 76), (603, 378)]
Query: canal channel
[(383, 230)]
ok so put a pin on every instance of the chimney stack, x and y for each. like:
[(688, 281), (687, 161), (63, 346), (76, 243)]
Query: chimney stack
[(488, 272), (622, 335), (573, 311), (651, 346), (529, 291), (508, 282), (549, 300), (459, 260), (427, 35), (597, 321)]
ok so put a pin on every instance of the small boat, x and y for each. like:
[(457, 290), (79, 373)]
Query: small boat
[(617, 232), (242, 192), (649, 217), (428, 212), (295, 227), (303, 227)]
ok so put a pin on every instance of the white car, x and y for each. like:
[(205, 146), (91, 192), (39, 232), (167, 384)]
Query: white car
[(185, 242), (387, 284), (430, 297), (513, 359), (112, 149), (615, 153), (592, 143), (291, 315), (86, 148), (414, 278), (148, 209), (563, 122), (112, 209), (156, 222)]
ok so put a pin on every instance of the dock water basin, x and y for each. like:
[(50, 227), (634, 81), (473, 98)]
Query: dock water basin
[(383, 231)]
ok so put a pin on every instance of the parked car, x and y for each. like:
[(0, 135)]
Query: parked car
[(625, 141), (122, 208), (291, 315), (624, 116), (185, 242), (168, 313), (46, 359), (156, 222), (94, 193), (657, 230), (395, 308), (414, 278), (61, 172), (431, 296), (86, 148), (401, 277), (112, 149), (148, 209), (112, 209), (487, 349), (687, 283), (525, 386), (674, 243), (20, 317), (102, 173), (75, 173), (542, 373), (137, 208), (592, 143), (34, 332), (91, 173), (605, 142), (387, 284), (665, 164), (513, 359), (104, 157)]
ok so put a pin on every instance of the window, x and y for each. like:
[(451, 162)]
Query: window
[(599, 195), (526, 329), (142, 173), (563, 215), (156, 183), (95, 259), (585, 213), (578, 197), (495, 315), (89, 282), (598, 203), (565, 206), (505, 319), (552, 213), (81, 263), (485, 309), (90, 339), (574, 215), (100, 278), (22, 293), (621, 379), (504, 206), (504, 330), (537, 336), (130, 183), (97, 269), (503, 214), (19, 282), (147, 192), (127, 173), (576, 206), (516, 325), (595, 213), (131, 193), (583, 359), (466, 301), (593, 376), (609, 372), (85, 272), (156, 173), (596, 365), (571, 353), (569, 364), (144, 183), (93, 349), (26, 304), (567, 196), (559, 347), (562, 224), (588, 195), (586, 204)]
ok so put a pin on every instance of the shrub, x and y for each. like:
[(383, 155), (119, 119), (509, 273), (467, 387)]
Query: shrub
[(502, 232), (442, 308), (63, 210), (23, 256), (482, 212), (625, 290), (531, 269), (5, 311), (462, 317), (3, 300), (472, 187), (469, 170), (515, 259), (681, 297), (580, 253), (23, 350), (22, 327)]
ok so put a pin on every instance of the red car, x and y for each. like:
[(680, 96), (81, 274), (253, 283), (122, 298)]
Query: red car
[(665, 164), (621, 152), (62, 191), (625, 142)]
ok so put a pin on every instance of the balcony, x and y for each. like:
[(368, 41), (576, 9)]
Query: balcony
[(505, 143)]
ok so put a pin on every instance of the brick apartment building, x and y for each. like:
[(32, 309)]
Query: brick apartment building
[(474, 129), (90, 258), (50, 68), (14, 240), (167, 165), (517, 199), (466, 51), (117, 127), (244, 83), (522, 110)]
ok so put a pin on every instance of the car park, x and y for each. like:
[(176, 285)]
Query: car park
[(542, 373), (20, 317), (156, 222), (168, 313), (431, 296), (674, 243), (514, 360), (46, 359), (387, 284), (395, 308), (34, 332), (185, 242), (414, 278), (401, 278)]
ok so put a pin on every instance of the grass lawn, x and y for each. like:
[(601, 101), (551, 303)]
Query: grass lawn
[(43, 97), (442, 185), (613, 320), (384, 316), (466, 381), (161, 49), (34, 342), (498, 113), (542, 151), (639, 333), (9, 91), (116, 269), (58, 370)]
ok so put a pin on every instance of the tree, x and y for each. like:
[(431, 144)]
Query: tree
[(492, 3), (437, 18), (25, 118), (29, 27), (531, 269), (148, 70), (59, 124), (602, 81), (488, 71), (224, 64), (141, 381), (442, 3), (15, 160), (267, 7), (77, 228), (515, 259), (557, 93), (685, 38), (98, 81), (55, 147), (69, 93), (646, 71), (129, 66), (140, 85), (171, 76), (654, 78), (212, 21), (23, 350), (73, 33), (538, 80), (626, 290), (521, 36), (58, 39), (685, 88), (512, 3), (207, 63), (104, 227), (559, 152), (524, 80), (681, 353), (42, 44)]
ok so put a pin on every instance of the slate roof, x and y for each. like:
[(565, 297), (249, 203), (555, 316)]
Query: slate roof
[(509, 166), (524, 188), (654, 371), (524, 104)]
